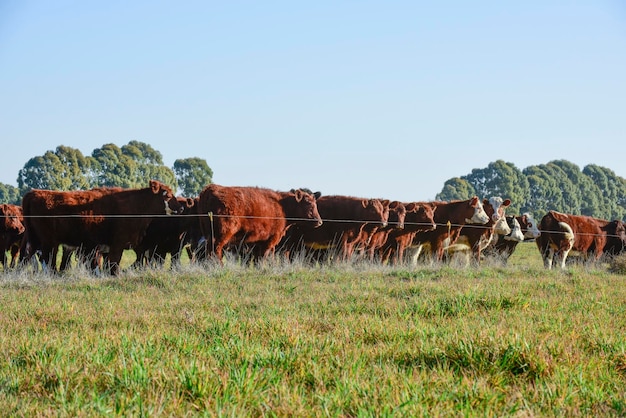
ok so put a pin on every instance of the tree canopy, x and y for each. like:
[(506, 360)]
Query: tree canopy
[(130, 166), (558, 185)]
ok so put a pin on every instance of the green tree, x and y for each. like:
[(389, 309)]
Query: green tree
[(612, 191), (62, 169), (502, 179), (545, 191), (10, 194), (581, 193), (113, 168), (149, 163), (192, 175), (456, 188)]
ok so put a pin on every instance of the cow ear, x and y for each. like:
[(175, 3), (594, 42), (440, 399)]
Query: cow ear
[(298, 194), (190, 202), (474, 201), (506, 202), (154, 186), (385, 202), (317, 195), (364, 202), (411, 207)]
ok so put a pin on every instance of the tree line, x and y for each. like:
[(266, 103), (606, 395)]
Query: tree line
[(558, 185), (129, 166)]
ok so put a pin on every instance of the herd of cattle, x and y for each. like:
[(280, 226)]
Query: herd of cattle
[(97, 225)]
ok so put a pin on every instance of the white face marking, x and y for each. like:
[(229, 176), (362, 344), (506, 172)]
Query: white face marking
[(502, 227), (516, 233), (497, 202), (479, 217), (532, 230), (168, 211)]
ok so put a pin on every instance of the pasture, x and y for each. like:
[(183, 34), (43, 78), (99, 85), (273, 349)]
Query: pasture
[(293, 340)]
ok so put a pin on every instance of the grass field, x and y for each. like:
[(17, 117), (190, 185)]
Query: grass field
[(290, 340)]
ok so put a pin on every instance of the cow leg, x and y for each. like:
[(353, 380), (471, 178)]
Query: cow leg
[(48, 259), (15, 254), (114, 259)]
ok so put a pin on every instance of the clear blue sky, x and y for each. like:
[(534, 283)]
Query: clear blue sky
[(364, 98)]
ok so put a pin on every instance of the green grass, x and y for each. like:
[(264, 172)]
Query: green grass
[(333, 341)]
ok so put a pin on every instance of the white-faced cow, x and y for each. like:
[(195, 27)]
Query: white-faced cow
[(592, 237), (523, 228), (475, 238), (450, 217)]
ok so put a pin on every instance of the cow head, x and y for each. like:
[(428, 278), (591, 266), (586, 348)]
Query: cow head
[(376, 211), (172, 205), (422, 216), (306, 205), (479, 216), (516, 230), (11, 219), (494, 208), (397, 214), (499, 207), (529, 226)]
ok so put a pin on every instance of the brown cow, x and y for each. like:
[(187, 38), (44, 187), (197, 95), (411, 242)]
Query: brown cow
[(347, 220), (82, 253), (252, 216), (115, 221), (476, 238), (562, 233), (450, 218), (167, 235), (11, 232), (376, 238), (419, 218)]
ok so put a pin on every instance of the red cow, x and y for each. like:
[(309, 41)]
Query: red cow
[(562, 233), (253, 216), (11, 232), (476, 238), (347, 220), (450, 218), (167, 235), (377, 238), (112, 221), (419, 218)]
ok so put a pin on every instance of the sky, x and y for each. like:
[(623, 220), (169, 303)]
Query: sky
[(362, 98)]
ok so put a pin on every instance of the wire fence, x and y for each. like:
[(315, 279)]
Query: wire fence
[(448, 225)]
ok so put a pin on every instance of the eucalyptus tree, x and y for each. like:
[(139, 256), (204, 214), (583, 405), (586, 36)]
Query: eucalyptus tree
[(114, 168), (149, 164), (579, 190), (192, 175), (612, 190), (62, 169), (545, 190), (502, 179), (456, 188), (10, 194)]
